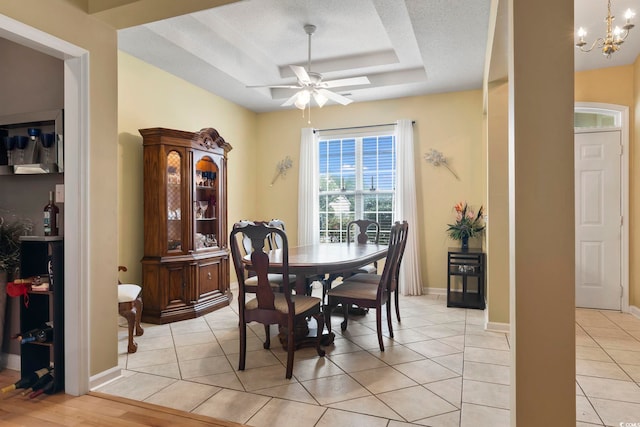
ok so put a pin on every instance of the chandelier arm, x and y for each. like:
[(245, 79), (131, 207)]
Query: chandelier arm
[(599, 42), (622, 38)]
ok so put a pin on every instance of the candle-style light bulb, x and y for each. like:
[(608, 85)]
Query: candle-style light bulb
[(617, 32), (629, 14)]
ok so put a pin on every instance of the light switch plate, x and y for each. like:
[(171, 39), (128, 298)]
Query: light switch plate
[(59, 193)]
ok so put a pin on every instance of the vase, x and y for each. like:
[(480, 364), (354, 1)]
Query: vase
[(465, 242)]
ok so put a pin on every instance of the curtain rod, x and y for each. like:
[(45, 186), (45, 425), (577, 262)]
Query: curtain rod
[(413, 122)]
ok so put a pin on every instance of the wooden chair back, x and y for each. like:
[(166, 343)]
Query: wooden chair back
[(401, 235), (258, 234), (397, 243), (364, 226), (275, 242)]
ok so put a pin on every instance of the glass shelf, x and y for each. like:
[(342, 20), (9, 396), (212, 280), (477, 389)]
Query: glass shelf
[(206, 183)]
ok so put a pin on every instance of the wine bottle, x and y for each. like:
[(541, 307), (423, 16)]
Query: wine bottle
[(51, 217), (40, 383), (50, 385), (38, 335), (27, 381), (42, 334)]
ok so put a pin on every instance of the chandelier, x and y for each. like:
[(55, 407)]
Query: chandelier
[(614, 37)]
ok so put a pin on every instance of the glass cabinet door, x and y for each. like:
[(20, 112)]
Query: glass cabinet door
[(174, 202), (205, 205)]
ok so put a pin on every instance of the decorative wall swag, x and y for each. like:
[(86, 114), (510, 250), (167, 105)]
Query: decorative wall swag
[(436, 158), (282, 167)]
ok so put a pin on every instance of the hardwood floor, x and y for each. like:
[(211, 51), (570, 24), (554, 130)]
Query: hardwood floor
[(93, 409)]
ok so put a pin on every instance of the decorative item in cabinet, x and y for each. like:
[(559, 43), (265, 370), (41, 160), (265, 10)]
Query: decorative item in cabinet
[(33, 143), (44, 257), (185, 268), (465, 278)]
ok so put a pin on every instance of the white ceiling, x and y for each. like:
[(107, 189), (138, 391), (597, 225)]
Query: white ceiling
[(405, 47)]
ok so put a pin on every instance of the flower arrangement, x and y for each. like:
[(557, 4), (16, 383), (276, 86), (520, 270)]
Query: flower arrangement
[(10, 232), (468, 224)]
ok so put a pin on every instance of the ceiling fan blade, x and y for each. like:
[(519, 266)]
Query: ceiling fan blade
[(275, 86), (335, 97), (301, 73), (352, 81)]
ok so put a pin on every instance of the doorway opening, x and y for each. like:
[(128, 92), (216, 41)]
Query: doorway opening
[(76, 250), (602, 206)]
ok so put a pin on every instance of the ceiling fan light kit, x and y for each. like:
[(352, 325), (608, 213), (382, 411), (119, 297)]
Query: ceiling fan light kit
[(311, 86), (614, 36)]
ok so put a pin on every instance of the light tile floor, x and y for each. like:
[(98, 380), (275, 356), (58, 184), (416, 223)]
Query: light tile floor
[(442, 369)]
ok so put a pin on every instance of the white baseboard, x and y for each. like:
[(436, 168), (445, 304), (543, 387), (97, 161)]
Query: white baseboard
[(497, 327), (635, 311), (104, 377), (434, 291), (10, 361)]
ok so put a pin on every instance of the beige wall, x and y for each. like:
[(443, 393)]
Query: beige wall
[(613, 85), (149, 97), (497, 236), (63, 20), (634, 200), (618, 85)]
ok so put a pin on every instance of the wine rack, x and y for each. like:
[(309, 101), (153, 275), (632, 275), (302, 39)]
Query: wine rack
[(44, 257)]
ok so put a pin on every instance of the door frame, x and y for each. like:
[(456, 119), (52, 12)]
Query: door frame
[(76, 196), (622, 124)]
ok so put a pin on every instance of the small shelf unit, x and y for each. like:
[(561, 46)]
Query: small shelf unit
[(466, 278)]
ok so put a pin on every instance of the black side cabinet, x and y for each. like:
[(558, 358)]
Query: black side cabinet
[(44, 257), (465, 278)]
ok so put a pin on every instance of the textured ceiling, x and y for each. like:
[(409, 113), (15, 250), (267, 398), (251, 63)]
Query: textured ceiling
[(404, 47)]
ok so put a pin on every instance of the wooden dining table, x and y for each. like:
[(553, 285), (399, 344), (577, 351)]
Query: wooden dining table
[(317, 260), (323, 258)]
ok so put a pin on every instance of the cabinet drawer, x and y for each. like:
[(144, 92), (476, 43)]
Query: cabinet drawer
[(209, 278)]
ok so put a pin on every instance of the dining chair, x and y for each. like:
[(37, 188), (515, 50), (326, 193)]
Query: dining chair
[(395, 289), (371, 290), (130, 307), (251, 280), (360, 231), (269, 307)]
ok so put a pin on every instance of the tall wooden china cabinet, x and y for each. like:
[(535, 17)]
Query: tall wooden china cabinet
[(185, 269)]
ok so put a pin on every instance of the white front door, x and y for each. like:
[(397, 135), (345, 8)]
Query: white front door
[(598, 219)]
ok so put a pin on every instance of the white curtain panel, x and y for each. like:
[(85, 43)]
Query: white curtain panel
[(410, 281), (308, 189)]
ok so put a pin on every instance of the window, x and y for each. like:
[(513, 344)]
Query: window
[(585, 117), (357, 181)]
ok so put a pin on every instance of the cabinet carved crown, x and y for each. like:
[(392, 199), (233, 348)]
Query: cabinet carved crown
[(210, 138)]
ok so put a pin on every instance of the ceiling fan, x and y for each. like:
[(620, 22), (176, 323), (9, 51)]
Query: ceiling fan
[(310, 84)]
